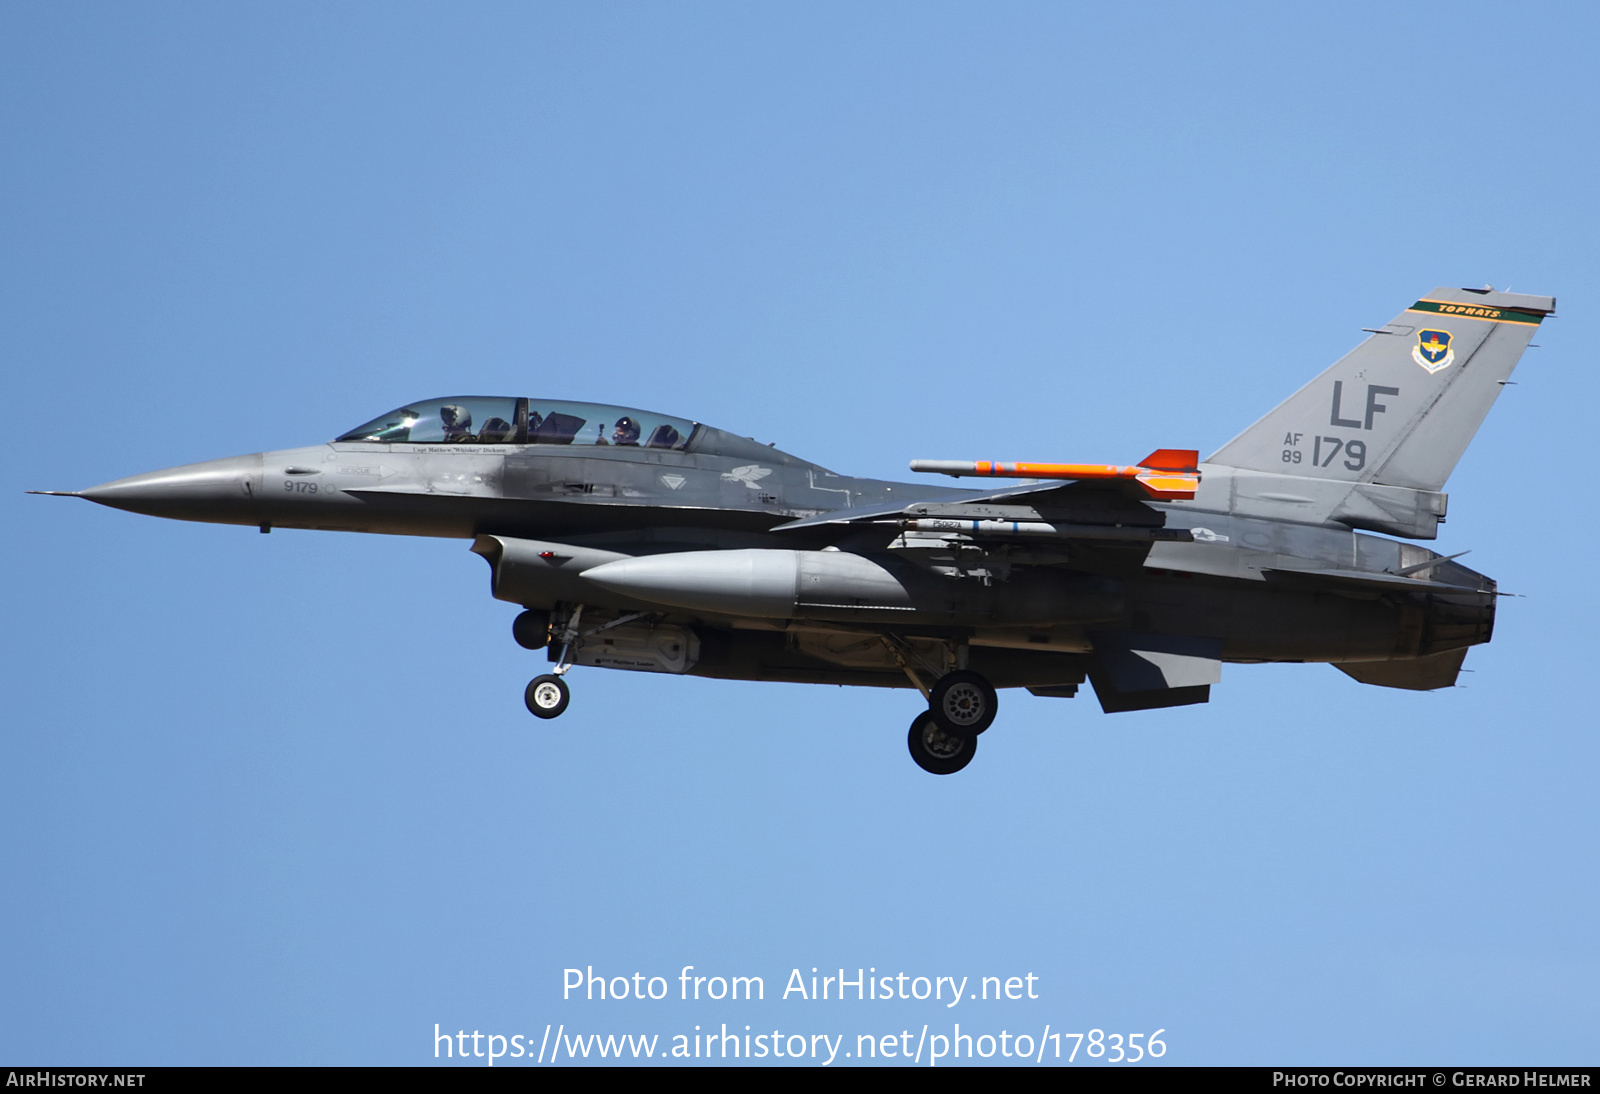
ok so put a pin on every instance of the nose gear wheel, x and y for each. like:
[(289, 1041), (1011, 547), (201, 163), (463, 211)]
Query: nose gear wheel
[(547, 696)]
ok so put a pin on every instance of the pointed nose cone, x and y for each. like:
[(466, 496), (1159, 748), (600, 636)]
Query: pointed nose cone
[(224, 491)]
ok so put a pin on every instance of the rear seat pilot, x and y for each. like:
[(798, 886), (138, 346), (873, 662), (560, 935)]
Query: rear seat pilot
[(626, 432)]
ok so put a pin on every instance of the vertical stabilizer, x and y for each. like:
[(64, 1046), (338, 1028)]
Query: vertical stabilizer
[(1400, 408)]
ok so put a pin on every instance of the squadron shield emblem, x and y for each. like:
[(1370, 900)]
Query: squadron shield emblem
[(1432, 350)]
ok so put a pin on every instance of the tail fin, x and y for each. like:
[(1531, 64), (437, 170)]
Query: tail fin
[(1399, 409)]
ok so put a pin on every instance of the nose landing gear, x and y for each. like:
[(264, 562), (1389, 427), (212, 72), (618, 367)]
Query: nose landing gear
[(547, 696)]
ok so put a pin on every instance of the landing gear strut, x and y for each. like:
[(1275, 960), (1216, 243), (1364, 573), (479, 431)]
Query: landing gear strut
[(548, 695), (561, 634)]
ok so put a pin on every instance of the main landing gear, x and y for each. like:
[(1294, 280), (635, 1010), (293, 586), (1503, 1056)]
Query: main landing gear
[(936, 750), (944, 738), (961, 705)]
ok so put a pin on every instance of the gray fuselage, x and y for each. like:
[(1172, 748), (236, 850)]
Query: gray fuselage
[(1025, 611)]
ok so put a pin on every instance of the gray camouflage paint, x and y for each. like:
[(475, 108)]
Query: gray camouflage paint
[(736, 560)]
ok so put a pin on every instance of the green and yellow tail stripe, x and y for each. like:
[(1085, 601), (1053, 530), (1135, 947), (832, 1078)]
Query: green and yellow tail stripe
[(1478, 311)]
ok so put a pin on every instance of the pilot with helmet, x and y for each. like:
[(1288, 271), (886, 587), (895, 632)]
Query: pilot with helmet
[(457, 424), (625, 432)]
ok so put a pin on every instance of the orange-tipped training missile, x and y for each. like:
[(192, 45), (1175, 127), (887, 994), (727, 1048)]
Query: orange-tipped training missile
[(1167, 474)]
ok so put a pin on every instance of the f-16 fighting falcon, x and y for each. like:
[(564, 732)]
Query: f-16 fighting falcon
[(635, 540)]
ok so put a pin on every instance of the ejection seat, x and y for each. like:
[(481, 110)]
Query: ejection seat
[(496, 431), (664, 436)]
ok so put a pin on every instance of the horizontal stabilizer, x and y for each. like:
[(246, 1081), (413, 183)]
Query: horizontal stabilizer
[(1150, 671), (1417, 674)]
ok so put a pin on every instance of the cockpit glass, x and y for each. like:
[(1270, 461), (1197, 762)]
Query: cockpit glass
[(593, 423), (443, 421), (480, 420)]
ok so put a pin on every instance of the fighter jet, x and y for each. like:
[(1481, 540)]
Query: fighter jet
[(636, 540)]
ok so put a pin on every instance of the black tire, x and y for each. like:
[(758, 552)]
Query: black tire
[(937, 751), (546, 696), (531, 629), (963, 702)]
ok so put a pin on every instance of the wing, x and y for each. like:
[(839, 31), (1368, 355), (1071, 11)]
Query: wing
[(1093, 526)]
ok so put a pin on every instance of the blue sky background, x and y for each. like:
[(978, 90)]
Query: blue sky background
[(276, 799)]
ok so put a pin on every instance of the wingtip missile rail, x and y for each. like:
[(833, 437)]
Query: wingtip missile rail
[(1167, 474)]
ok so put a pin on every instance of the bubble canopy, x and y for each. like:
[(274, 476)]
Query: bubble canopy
[(475, 419)]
